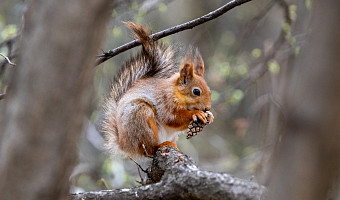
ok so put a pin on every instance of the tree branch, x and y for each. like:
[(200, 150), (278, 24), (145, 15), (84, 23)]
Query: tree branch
[(188, 25), (180, 178)]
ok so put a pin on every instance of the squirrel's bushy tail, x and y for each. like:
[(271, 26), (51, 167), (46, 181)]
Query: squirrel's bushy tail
[(155, 60)]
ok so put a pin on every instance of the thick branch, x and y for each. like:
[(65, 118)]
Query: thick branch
[(188, 25), (180, 178)]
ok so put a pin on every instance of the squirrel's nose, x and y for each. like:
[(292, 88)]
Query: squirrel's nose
[(207, 108)]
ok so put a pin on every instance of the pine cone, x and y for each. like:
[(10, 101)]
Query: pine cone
[(194, 128), (197, 125)]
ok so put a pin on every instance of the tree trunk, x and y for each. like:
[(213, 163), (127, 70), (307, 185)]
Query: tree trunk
[(308, 160), (43, 112)]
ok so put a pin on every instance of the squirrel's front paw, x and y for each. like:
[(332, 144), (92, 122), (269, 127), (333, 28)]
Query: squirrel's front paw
[(205, 117), (202, 116)]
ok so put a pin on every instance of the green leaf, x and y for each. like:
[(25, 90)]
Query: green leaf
[(292, 12), (114, 13), (256, 53), (242, 70), (134, 5), (225, 69), (214, 95), (236, 96), (107, 166), (162, 8), (116, 32), (308, 4), (274, 67), (297, 51), (9, 31), (286, 27)]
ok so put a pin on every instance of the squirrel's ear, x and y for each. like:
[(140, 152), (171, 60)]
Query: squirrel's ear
[(198, 64), (186, 71)]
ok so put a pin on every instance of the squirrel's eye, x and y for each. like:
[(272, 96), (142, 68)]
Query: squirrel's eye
[(196, 92)]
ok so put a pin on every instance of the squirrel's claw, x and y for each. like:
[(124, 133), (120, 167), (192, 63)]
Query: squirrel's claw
[(210, 117)]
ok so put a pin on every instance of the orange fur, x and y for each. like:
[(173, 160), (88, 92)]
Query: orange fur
[(150, 103), (152, 124), (167, 143)]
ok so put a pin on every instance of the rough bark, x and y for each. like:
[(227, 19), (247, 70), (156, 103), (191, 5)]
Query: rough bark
[(43, 113), (308, 161), (180, 178)]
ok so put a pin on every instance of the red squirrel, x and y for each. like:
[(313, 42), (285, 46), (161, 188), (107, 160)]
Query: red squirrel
[(150, 102)]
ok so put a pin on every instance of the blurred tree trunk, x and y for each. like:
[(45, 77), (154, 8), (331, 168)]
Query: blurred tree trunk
[(43, 113), (307, 162)]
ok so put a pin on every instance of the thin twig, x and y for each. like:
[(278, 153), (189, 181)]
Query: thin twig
[(249, 28), (188, 25), (142, 182), (8, 60), (140, 167), (145, 152), (280, 41)]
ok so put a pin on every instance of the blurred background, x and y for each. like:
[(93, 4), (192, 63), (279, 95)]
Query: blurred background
[(247, 54)]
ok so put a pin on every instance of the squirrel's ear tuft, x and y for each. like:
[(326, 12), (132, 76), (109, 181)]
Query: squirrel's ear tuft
[(198, 64), (186, 71)]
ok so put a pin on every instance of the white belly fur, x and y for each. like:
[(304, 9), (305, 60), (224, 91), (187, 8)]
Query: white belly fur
[(167, 134)]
